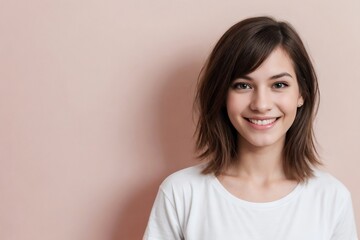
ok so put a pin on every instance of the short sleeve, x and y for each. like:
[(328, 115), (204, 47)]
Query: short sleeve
[(163, 222), (345, 227)]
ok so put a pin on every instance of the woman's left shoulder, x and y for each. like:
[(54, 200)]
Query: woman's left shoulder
[(326, 183)]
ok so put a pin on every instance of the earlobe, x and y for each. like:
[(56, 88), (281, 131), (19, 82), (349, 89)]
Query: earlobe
[(300, 102)]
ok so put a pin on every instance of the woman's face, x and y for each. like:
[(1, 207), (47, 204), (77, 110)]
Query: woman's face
[(262, 105)]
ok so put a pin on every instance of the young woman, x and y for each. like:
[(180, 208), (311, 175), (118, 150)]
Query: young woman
[(257, 97)]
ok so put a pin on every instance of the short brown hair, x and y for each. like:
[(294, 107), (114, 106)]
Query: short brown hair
[(241, 50)]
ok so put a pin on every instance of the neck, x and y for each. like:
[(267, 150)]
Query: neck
[(259, 163)]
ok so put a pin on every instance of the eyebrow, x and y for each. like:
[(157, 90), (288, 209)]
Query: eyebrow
[(280, 75)]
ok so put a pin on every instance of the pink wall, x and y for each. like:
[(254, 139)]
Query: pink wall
[(95, 104)]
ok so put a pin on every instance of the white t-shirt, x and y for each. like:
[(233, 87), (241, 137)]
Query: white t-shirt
[(194, 206)]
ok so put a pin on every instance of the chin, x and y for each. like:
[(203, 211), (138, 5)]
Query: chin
[(263, 142)]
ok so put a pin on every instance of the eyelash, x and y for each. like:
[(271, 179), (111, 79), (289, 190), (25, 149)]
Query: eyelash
[(282, 83), (240, 85), (244, 86)]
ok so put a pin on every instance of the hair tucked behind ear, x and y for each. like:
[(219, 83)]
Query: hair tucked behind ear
[(241, 50)]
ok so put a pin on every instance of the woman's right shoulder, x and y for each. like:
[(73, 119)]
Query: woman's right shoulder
[(185, 178)]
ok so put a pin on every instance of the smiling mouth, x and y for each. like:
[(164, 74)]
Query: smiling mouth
[(262, 122)]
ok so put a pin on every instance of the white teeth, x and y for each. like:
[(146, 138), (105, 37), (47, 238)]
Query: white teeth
[(262, 122)]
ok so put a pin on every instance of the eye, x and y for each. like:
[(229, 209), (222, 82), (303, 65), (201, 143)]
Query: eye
[(280, 85), (241, 85)]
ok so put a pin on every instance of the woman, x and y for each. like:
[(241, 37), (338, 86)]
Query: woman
[(257, 98)]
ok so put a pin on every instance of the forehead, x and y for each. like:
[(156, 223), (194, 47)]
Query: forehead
[(277, 62)]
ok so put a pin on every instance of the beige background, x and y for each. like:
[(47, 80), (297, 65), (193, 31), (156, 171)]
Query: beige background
[(96, 97)]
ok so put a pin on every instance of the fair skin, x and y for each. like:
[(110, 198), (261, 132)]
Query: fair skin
[(262, 107)]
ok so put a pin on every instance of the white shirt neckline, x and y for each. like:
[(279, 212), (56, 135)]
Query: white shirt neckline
[(260, 205)]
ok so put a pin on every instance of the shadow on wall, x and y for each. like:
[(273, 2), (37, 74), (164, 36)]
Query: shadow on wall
[(176, 128)]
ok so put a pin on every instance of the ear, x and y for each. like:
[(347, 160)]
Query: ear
[(300, 101)]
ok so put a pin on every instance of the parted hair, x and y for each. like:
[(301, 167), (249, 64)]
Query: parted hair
[(240, 51)]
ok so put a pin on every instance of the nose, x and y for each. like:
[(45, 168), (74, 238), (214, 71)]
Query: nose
[(261, 101)]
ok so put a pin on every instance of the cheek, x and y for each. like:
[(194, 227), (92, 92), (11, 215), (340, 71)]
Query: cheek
[(234, 104), (289, 102)]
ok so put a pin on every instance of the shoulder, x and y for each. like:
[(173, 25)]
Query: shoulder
[(333, 199), (328, 181), (186, 184), (326, 185), (185, 177)]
